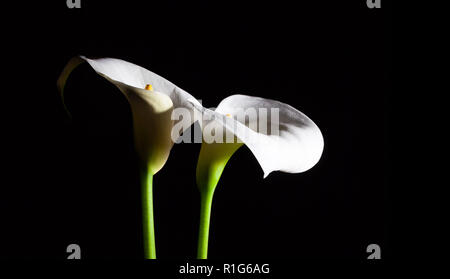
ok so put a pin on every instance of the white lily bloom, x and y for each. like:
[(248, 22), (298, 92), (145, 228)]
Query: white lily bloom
[(293, 145), (152, 100)]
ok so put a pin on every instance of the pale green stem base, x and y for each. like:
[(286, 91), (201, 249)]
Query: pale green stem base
[(147, 214), (205, 214), (211, 162)]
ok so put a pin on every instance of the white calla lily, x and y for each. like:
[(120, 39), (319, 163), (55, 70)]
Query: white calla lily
[(293, 144), (152, 100)]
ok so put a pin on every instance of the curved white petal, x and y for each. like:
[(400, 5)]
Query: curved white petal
[(296, 147), (152, 124), (152, 110), (137, 76)]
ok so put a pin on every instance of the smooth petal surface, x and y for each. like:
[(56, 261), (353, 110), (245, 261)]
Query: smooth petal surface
[(137, 76), (297, 146), (212, 160), (117, 70), (152, 124), (151, 110)]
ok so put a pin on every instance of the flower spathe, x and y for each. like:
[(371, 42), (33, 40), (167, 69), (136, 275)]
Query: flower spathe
[(295, 146), (151, 109), (152, 100)]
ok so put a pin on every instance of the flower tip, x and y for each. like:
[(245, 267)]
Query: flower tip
[(149, 87)]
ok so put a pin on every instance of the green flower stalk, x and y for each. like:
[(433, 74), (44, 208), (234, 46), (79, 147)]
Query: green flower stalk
[(211, 163), (152, 100), (293, 144), (147, 214)]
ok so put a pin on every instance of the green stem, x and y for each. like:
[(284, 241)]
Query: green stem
[(205, 216), (147, 214), (212, 160)]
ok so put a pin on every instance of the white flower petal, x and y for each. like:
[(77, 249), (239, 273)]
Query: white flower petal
[(152, 124), (297, 147), (137, 76), (152, 110)]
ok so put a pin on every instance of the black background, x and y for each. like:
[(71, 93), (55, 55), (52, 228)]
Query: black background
[(76, 181)]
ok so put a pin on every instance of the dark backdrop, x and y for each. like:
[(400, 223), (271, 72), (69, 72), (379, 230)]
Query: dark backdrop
[(76, 181)]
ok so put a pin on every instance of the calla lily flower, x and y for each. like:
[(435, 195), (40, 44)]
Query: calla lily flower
[(152, 100), (294, 144)]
